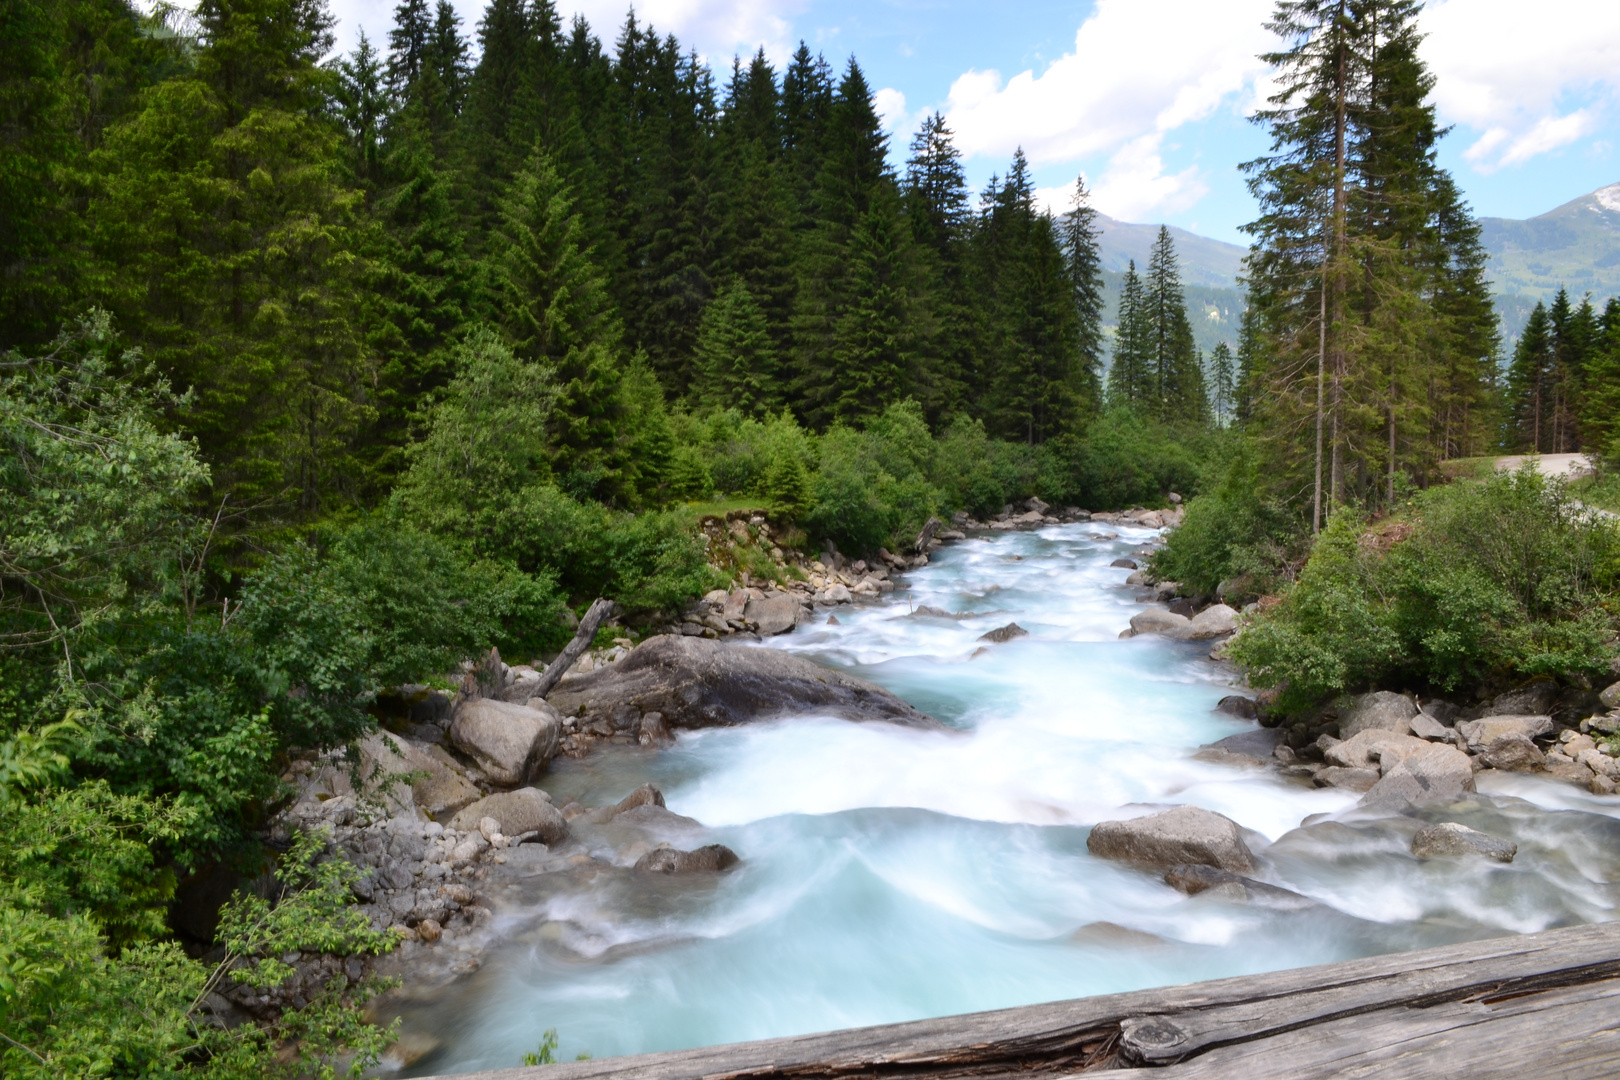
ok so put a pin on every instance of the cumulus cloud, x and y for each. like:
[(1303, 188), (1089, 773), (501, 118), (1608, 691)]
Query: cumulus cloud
[(1526, 85), (891, 109), (1137, 72)]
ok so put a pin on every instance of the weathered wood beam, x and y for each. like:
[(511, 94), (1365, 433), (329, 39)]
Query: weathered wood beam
[(1540, 1005)]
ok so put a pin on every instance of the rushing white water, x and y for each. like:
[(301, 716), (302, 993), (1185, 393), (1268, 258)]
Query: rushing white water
[(890, 874)]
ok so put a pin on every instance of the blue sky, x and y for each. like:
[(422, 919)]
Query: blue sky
[(1147, 98)]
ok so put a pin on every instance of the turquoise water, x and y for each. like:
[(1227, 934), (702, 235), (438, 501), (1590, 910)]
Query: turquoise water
[(890, 874)]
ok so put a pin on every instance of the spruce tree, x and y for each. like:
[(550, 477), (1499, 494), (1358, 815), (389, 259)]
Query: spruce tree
[(736, 359), (1599, 410), (1222, 383), (940, 220), (1132, 382), (1177, 375), (1084, 257), (553, 306), (1531, 379)]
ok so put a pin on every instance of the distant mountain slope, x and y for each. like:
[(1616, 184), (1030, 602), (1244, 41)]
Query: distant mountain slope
[(1576, 245), (1213, 263)]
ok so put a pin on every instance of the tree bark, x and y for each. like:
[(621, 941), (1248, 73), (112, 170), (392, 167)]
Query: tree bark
[(599, 610)]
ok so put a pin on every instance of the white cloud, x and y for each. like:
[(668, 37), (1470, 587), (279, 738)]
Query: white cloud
[(1137, 72), (1513, 74), (891, 109)]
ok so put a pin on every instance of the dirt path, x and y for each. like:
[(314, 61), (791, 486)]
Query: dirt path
[(1569, 466)]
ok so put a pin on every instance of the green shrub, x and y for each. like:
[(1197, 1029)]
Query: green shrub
[(1505, 579), (1233, 532)]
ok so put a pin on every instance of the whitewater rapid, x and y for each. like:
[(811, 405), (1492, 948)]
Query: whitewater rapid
[(890, 874)]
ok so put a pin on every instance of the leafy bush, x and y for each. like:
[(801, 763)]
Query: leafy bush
[(1506, 578), (1128, 460), (1234, 532)]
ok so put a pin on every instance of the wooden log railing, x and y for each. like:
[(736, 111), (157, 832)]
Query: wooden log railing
[(1539, 1006)]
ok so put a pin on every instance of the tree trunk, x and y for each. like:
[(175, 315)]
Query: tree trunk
[(599, 610)]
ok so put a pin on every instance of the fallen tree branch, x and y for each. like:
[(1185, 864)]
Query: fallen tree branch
[(599, 610)]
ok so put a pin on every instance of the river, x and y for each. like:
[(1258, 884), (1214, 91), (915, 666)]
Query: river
[(890, 874)]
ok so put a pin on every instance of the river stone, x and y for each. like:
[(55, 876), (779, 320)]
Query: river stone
[(1448, 838), (773, 615), (1535, 698), (1425, 726), (1611, 697), (1239, 706), (517, 812), (1513, 752), (1198, 880), (1350, 779), (1215, 621), (1435, 773), (442, 791), (710, 858), (1486, 730), (1157, 621), (1185, 834), (1379, 709), (1138, 578), (1006, 633), (697, 683), (511, 743), (1259, 745), (1372, 749), (835, 594), (653, 730), (1124, 564)]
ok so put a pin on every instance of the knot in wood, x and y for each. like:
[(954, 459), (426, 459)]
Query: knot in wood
[(1147, 1038)]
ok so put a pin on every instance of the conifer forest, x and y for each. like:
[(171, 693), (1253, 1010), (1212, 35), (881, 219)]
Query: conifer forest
[(322, 372)]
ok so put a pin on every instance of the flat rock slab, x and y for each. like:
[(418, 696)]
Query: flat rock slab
[(1185, 834), (1450, 839), (1259, 745), (1371, 748), (1437, 773), (695, 683)]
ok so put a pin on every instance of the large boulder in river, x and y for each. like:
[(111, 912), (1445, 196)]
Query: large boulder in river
[(1185, 834), (1534, 698), (773, 615), (694, 682), (709, 858), (521, 811), (1380, 709), (510, 743), (1215, 621), (1373, 748), (1450, 839), (1158, 621), (1513, 752), (1486, 730), (1437, 773)]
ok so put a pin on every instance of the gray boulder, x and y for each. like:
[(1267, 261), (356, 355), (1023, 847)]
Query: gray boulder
[(1259, 745), (510, 743), (1124, 564), (1373, 748), (1425, 726), (1450, 839), (1185, 834), (1482, 732), (645, 795), (1239, 706), (1611, 697), (711, 858), (1436, 773), (1532, 699), (1348, 778), (520, 811), (693, 683), (1158, 621), (1195, 879), (1001, 634), (1513, 752), (773, 615), (444, 790), (1379, 709), (1215, 621)]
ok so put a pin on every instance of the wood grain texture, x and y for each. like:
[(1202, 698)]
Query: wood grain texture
[(1539, 1005)]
